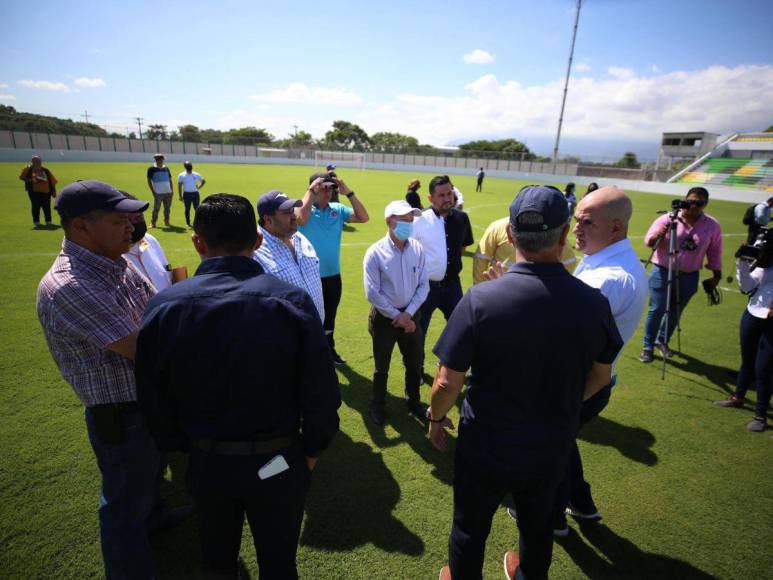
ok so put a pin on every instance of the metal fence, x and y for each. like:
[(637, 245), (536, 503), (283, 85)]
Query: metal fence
[(313, 156)]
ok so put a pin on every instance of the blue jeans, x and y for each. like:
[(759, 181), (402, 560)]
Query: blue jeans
[(756, 360), (129, 482), (687, 287)]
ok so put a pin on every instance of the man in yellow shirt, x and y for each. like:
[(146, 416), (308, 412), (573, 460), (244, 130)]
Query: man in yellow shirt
[(494, 247), (40, 184)]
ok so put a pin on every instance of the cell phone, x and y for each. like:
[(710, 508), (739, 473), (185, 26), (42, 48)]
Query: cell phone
[(275, 466)]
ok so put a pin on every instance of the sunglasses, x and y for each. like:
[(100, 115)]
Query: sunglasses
[(697, 202)]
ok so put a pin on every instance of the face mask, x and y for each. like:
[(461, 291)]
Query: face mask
[(403, 230), (140, 229)]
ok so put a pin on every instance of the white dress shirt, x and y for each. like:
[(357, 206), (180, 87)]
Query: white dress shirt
[(617, 272), (429, 229), (395, 280), (760, 278), (148, 259)]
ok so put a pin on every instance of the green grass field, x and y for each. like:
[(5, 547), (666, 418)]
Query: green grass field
[(684, 489)]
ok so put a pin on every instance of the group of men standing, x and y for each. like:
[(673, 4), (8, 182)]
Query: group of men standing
[(189, 184), (260, 405)]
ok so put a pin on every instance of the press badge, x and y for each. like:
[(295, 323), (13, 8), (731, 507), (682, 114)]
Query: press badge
[(274, 467)]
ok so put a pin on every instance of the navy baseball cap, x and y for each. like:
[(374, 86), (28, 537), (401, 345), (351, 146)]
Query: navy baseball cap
[(275, 200), (537, 208), (330, 166), (82, 197)]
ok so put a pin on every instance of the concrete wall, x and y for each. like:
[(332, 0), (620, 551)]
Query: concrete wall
[(534, 174)]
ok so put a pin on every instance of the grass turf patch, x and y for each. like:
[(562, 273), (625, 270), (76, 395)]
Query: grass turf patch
[(682, 486)]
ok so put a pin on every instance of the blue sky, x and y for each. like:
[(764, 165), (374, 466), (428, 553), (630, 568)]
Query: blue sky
[(641, 67)]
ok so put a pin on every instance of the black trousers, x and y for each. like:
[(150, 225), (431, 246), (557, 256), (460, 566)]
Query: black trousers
[(40, 201), (190, 198), (331, 296), (477, 495), (384, 337), (226, 488)]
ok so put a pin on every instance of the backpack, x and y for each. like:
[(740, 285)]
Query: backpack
[(28, 178), (748, 215)]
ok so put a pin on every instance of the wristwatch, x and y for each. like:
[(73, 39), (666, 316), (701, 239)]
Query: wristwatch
[(350, 195)]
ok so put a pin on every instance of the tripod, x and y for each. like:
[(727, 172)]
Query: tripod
[(672, 287)]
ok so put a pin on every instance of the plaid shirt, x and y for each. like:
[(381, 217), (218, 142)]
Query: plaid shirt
[(301, 269), (86, 302)]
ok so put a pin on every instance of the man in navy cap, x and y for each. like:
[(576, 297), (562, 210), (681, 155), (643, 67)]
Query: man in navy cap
[(285, 252), (538, 341), (90, 305)]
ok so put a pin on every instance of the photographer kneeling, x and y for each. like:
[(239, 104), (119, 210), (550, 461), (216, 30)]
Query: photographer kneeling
[(754, 270)]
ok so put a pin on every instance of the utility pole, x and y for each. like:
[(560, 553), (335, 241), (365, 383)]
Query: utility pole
[(85, 115), (139, 125), (296, 131), (566, 85)]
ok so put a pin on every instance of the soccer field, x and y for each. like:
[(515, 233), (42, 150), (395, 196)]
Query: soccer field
[(684, 489)]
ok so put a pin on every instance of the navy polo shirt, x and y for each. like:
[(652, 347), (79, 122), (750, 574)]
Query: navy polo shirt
[(234, 354), (530, 339)]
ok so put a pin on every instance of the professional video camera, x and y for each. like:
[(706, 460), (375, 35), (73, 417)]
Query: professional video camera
[(678, 204), (760, 253)]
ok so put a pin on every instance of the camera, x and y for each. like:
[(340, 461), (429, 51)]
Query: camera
[(678, 204), (760, 253)]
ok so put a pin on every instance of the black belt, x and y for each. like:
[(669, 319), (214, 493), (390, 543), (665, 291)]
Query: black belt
[(244, 447), (124, 407), (444, 282), (190, 192), (677, 270)]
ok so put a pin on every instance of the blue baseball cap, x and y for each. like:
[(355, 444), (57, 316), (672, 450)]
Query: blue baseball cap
[(83, 197), (330, 166), (272, 201), (537, 208)]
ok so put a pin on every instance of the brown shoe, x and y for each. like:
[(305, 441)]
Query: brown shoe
[(732, 401), (511, 564), (445, 573)]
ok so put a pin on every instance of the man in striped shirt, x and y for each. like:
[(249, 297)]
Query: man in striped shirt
[(285, 252), (90, 304)]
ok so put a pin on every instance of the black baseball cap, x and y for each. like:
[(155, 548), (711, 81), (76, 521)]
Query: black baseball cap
[(327, 176), (82, 197), (537, 208), (273, 201)]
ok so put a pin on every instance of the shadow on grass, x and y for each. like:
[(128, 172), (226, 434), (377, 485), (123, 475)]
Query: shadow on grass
[(174, 229), (626, 560), (411, 430), (351, 500), (634, 443), (721, 377)]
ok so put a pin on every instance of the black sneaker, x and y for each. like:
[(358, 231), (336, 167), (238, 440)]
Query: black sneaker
[(646, 356), (377, 414), (587, 514), (664, 350), (338, 360)]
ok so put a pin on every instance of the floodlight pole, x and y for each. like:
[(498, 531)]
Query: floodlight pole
[(566, 85)]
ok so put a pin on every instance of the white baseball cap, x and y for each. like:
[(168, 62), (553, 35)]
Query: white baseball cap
[(401, 207)]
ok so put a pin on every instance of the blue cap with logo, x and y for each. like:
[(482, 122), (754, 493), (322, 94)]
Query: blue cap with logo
[(537, 208), (273, 201), (82, 197)]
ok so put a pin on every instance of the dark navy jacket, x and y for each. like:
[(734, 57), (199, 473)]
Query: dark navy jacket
[(234, 354)]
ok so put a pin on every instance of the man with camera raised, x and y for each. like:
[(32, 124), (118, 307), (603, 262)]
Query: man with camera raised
[(698, 236)]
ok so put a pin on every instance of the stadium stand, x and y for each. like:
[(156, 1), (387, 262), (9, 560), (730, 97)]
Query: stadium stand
[(745, 162)]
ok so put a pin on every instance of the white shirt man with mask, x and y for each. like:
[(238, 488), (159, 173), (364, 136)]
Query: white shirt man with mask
[(396, 285), (146, 254)]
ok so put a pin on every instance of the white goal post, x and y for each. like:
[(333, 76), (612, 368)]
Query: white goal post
[(349, 159)]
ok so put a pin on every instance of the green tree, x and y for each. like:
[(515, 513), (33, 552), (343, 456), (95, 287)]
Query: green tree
[(393, 142), (769, 129), (190, 133), (156, 132), (211, 136), (248, 136), (346, 135), (13, 120), (629, 161), (298, 139), (501, 148)]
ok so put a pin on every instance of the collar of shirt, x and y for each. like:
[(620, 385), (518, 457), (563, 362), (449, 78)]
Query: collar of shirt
[(228, 264), (595, 260), (142, 246), (538, 269), (94, 262), (275, 242)]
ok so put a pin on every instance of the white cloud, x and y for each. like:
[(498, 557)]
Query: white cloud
[(7, 98), (478, 56), (299, 93), (583, 66), (89, 83), (3, 86), (655, 68), (620, 73), (45, 85), (622, 107)]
